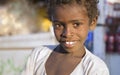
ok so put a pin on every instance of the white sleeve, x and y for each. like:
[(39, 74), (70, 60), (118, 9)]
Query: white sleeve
[(102, 72), (100, 69), (99, 72)]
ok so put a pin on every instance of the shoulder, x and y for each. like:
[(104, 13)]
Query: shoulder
[(94, 59), (40, 53), (35, 59), (40, 50), (95, 65)]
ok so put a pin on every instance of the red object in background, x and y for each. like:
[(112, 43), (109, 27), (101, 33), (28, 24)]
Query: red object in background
[(110, 42), (112, 21), (117, 42)]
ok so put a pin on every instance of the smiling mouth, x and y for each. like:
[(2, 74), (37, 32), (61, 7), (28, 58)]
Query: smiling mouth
[(69, 44)]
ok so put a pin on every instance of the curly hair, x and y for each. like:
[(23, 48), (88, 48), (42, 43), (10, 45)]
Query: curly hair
[(90, 5)]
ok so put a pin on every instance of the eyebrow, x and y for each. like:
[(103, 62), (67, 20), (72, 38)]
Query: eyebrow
[(74, 20), (57, 21), (71, 21)]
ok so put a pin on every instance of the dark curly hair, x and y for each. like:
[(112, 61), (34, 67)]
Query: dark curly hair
[(90, 5)]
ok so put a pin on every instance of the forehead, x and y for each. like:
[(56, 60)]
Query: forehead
[(70, 11), (73, 7)]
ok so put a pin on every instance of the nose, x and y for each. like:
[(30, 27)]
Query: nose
[(67, 32)]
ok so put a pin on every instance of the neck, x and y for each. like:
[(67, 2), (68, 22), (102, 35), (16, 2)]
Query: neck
[(77, 54)]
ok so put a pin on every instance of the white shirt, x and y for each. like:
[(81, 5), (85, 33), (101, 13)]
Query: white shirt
[(90, 64)]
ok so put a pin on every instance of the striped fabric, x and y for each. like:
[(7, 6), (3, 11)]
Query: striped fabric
[(90, 64)]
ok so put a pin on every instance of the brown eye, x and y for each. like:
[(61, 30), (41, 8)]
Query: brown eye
[(57, 26), (76, 24)]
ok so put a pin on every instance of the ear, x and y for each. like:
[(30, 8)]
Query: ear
[(93, 23)]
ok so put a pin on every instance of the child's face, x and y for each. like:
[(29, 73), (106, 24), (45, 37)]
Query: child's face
[(71, 25)]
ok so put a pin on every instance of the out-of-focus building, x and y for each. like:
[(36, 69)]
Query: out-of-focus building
[(23, 17), (17, 17)]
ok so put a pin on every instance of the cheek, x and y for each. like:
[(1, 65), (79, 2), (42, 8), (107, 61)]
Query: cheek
[(83, 32), (57, 34)]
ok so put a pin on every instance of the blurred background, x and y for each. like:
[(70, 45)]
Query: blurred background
[(24, 25)]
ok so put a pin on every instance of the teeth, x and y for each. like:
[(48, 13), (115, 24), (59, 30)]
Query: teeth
[(70, 43), (67, 42)]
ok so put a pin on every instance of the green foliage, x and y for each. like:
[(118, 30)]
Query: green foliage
[(8, 67)]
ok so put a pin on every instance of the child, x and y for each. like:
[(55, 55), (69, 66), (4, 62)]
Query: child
[(72, 20)]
